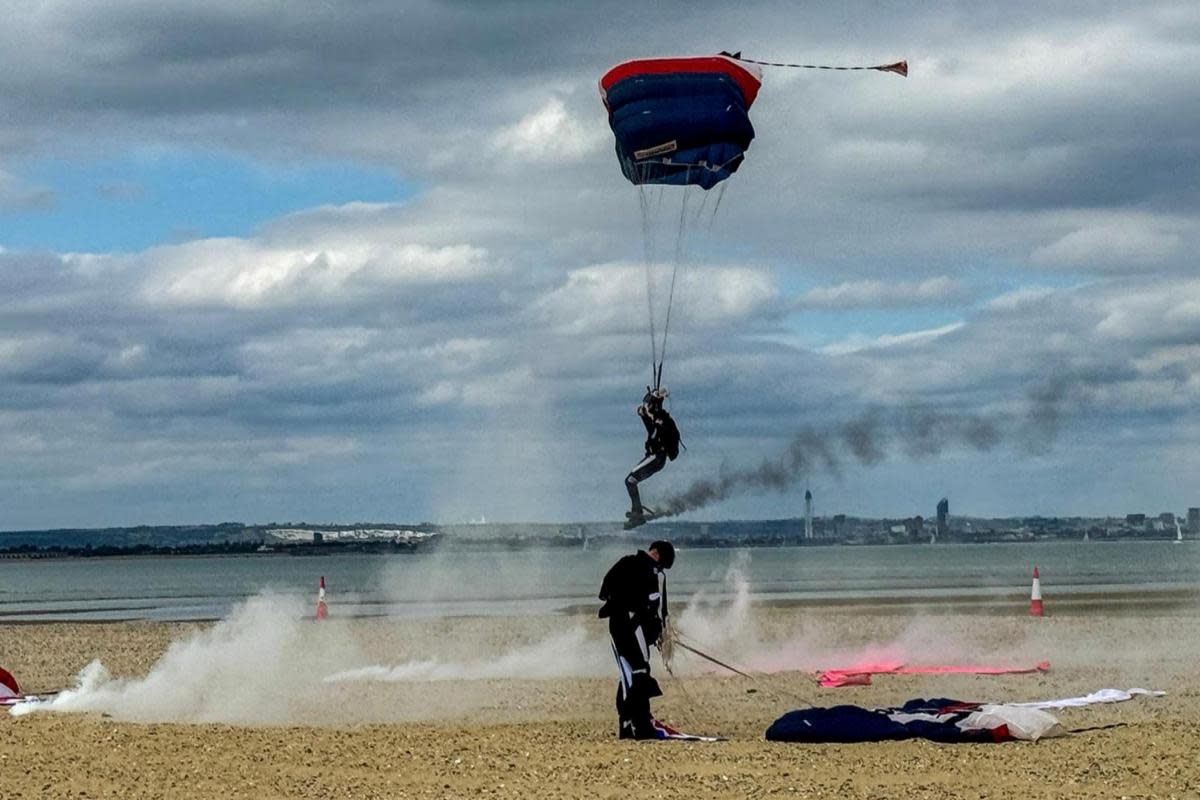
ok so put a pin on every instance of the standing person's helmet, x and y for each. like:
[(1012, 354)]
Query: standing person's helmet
[(666, 553)]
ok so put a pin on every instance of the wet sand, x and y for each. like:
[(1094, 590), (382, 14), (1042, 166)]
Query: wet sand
[(554, 737)]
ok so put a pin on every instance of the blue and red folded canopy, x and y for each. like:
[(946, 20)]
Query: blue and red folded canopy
[(681, 121)]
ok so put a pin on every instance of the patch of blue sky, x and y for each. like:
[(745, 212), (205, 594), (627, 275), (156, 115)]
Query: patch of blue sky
[(134, 202)]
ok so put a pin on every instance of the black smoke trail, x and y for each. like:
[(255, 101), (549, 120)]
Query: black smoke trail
[(918, 431)]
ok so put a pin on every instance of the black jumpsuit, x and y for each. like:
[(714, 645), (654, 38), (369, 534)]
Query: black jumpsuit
[(635, 602), (659, 430)]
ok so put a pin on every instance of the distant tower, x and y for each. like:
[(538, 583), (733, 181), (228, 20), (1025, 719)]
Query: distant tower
[(1194, 520), (808, 530), (943, 517)]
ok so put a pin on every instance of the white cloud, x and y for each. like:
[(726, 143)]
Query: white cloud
[(1118, 245), (1162, 311), (880, 294), (252, 274), (550, 134), (1020, 298), (855, 344), (611, 298)]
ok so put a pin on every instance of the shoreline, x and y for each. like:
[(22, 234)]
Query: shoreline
[(1136, 599)]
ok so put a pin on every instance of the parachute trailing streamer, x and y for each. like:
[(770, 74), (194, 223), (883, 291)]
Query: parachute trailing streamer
[(898, 67)]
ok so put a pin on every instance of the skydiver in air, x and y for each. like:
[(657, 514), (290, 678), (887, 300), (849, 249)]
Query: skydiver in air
[(634, 592), (662, 443)]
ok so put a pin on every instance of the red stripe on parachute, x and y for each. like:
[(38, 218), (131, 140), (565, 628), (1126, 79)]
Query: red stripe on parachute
[(748, 79), (8, 684)]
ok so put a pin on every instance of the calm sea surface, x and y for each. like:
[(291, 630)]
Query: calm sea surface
[(441, 584)]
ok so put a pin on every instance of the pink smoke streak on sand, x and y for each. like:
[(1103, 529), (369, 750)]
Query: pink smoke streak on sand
[(860, 674)]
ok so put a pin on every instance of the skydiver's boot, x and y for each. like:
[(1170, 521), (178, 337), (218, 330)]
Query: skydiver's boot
[(637, 705)]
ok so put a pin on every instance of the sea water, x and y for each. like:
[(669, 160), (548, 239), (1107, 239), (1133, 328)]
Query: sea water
[(559, 579)]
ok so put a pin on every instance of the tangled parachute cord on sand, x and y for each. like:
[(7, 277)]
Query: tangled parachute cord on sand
[(666, 645)]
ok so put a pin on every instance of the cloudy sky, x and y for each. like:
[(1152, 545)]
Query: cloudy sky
[(376, 261)]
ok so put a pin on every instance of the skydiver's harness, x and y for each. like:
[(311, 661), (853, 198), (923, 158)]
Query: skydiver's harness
[(664, 437), (662, 434)]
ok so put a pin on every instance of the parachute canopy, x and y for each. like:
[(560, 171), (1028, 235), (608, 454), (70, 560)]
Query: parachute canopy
[(9, 691), (681, 121)]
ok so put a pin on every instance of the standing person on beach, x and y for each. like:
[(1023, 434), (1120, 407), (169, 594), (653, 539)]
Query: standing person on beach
[(634, 592)]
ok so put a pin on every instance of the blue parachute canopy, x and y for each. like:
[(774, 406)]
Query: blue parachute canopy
[(681, 121)]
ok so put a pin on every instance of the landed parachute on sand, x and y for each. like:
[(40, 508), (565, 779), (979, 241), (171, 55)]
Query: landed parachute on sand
[(9, 691), (938, 719), (12, 698)]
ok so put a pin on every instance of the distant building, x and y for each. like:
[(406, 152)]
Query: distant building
[(808, 526), (943, 517), (839, 524), (1137, 520), (1167, 518), (1194, 520)]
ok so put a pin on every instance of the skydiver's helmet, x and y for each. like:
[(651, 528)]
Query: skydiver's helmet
[(655, 397)]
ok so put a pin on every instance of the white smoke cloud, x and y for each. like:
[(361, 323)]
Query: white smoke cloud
[(571, 653), (255, 667)]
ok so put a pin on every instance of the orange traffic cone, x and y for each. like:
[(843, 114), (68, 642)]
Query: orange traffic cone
[(1035, 597), (322, 609)]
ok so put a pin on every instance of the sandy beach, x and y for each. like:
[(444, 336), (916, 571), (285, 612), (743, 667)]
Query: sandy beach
[(452, 716)]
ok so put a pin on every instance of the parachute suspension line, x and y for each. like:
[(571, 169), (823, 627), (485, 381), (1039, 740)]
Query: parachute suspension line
[(648, 245), (680, 238), (899, 68), (680, 255), (703, 204), (717, 205)]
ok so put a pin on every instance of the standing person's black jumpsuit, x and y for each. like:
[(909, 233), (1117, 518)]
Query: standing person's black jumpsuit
[(634, 592)]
